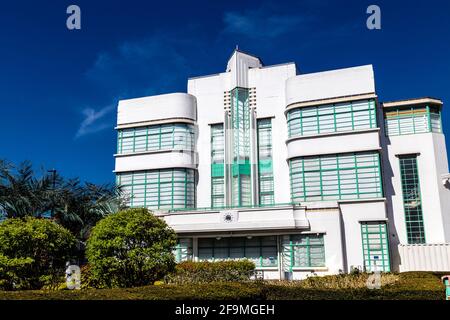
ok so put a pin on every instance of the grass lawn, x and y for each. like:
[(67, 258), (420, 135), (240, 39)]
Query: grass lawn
[(405, 286)]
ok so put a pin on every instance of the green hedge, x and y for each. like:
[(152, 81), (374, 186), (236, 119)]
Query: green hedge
[(411, 286), (206, 272), (215, 291)]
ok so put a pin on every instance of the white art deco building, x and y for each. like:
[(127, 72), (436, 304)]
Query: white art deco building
[(301, 173)]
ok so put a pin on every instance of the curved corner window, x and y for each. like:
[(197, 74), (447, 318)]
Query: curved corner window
[(159, 189), (156, 137), (339, 117)]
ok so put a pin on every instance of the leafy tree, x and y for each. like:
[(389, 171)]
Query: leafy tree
[(130, 248), (33, 252)]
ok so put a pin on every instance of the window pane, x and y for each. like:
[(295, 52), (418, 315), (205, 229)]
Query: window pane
[(335, 177), (156, 137), (356, 115), (412, 201), (159, 189)]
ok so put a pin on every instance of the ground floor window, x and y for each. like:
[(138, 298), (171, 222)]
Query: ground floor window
[(183, 250), (261, 250), (375, 246), (303, 251)]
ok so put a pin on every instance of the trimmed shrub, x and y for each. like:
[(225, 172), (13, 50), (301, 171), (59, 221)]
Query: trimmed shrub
[(33, 253), (87, 281), (403, 286), (130, 248), (205, 272)]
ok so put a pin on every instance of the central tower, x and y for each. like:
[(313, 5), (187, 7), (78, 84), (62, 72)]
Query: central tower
[(241, 187)]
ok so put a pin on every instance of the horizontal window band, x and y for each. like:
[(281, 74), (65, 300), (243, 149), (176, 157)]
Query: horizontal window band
[(311, 103)]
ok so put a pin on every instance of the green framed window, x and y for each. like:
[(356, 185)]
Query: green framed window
[(346, 116), (343, 176), (303, 251), (240, 166), (159, 189), (265, 166), (412, 120), (217, 166), (375, 246), (156, 137), (183, 250), (261, 250), (412, 201)]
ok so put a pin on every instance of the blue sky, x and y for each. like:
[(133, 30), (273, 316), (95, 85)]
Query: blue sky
[(59, 88)]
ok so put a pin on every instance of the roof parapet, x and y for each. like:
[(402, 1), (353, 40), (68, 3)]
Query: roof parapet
[(411, 102)]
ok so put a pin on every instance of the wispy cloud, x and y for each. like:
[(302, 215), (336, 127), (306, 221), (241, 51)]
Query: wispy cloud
[(142, 67), (148, 63), (94, 121), (261, 23)]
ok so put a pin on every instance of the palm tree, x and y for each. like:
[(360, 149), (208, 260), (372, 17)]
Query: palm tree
[(21, 194), (79, 207), (75, 206)]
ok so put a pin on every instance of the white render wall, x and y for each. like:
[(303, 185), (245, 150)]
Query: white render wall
[(330, 84), (209, 92), (270, 102), (332, 143), (435, 197), (158, 160), (154, 108), (330, 223)]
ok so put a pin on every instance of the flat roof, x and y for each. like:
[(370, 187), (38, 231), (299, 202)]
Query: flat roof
[(413, 101), (263, 67)]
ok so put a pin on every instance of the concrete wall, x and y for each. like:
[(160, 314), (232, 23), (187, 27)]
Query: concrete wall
[(166, 106), (367, 140), (270, 102), (330, 223), (158, 160), (432, 162), (352, 214), (330, 84), (209, 92), (246, 220)]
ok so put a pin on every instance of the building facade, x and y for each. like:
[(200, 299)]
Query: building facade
[(301, 173)]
